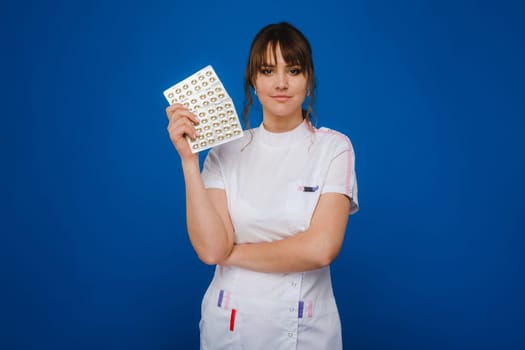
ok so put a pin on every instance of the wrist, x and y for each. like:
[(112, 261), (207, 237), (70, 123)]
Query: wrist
[(190, 163)]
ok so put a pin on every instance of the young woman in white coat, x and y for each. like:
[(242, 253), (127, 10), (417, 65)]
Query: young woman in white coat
[(270, 210)]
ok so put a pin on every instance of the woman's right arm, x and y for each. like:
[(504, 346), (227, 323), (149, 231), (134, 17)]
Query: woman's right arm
[(209, 226)]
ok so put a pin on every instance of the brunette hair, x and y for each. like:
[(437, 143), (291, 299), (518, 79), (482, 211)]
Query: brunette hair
[(295, 50)]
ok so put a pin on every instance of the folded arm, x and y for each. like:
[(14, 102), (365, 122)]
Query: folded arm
[(315, 248)]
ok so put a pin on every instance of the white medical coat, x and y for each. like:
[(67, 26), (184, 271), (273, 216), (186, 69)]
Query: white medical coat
[(273, 182)]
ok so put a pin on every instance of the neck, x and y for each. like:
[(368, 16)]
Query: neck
[(282, 124)]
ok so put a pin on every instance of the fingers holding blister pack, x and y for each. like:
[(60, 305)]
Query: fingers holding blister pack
[(181, 125), (204, 95)]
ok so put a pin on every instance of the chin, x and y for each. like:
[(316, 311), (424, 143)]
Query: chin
[(284, 112)]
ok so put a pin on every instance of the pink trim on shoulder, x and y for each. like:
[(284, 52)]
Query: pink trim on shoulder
[(349, 156)]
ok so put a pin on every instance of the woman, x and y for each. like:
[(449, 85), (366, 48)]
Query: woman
[(270, 209)]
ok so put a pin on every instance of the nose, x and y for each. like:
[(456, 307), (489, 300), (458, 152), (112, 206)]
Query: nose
[(281, 80)]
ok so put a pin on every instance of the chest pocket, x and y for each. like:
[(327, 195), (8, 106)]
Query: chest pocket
[(302, 198)]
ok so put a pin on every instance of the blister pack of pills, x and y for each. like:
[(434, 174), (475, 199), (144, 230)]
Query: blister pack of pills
[(205, 96)]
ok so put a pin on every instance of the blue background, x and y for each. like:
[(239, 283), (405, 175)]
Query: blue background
[(93, 244)]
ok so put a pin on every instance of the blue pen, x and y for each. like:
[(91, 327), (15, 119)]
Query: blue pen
[(310, 188)]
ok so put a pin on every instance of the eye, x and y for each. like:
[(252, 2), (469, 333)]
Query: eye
[(266, 70), (295, 70)]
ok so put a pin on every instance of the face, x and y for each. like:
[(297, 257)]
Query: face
[(281, 89)]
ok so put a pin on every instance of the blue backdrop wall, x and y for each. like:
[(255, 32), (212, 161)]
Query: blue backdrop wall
[(93, 242)]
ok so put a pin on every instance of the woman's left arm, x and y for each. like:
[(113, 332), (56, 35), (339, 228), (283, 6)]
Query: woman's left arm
[(315, 248)]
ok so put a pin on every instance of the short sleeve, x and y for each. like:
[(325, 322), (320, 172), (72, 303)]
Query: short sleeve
[(212, 174), (341, 177)]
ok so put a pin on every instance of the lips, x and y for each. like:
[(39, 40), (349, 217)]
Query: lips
[(281, 98)]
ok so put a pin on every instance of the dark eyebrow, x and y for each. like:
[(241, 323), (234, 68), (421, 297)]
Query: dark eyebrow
[(273, 65)]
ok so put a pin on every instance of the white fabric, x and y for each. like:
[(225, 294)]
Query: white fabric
[(273, 182)]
